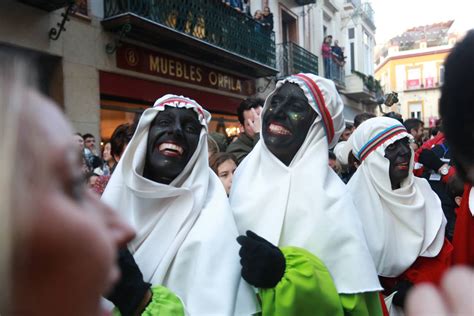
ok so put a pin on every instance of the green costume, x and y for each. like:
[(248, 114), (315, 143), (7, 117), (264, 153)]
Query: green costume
[(306, 288)]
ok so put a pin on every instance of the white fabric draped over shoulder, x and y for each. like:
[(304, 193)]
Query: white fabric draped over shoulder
[(402, 224), (185, 230), (305, 204)]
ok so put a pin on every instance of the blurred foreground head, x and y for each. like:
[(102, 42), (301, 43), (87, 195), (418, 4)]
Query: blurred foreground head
[(58, 241), (457, 105)]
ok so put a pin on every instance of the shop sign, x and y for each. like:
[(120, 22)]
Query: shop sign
[(154, 63)]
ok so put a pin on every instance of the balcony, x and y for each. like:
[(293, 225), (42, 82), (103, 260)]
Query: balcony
[(334, 71), (293, 59), (338, 74), (368, 14), (206, 30), (48, 5), (358, 89), (428, 84)]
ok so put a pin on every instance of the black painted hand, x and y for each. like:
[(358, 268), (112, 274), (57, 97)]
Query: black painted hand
[(263, 264), (429, 159), (130, 290), (402, 288)]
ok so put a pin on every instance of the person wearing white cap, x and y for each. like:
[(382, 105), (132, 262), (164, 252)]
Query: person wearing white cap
[(285, 195), (185, 247), (402, 217)]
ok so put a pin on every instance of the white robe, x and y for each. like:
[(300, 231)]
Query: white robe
[(400, 225), (185, 230), (305, 204)]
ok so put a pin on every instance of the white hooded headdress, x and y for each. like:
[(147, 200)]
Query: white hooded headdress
[(185, 230), (305, 204), (402, 224)]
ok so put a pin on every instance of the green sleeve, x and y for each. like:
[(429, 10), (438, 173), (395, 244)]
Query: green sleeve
[(163, 303), (305, 289), (361, 304)]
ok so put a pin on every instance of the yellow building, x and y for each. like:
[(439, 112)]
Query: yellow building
[(412, 66)]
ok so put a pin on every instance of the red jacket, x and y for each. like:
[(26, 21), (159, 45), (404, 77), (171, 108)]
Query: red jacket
[(463, 239)]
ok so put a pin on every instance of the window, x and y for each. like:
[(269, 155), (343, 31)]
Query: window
[(352, 57), (413, 77), (367, 55), (415, 110), (366, 39), (351, 33), (441, 74)]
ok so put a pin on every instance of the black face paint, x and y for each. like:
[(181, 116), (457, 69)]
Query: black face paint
[(172, 140), (286, 122), (399, 155)]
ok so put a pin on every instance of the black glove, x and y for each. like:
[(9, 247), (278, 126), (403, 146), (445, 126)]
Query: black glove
[(130, 290), (263, 264), (429, 159), (402, 288)]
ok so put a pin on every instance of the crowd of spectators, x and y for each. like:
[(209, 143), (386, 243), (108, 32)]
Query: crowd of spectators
[(333, 58), (264, 18)]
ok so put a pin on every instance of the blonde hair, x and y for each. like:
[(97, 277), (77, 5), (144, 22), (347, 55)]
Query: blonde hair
[(13, 80)]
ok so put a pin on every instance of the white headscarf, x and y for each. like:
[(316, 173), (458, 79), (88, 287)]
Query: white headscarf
[(402, 224), (185, 230), (305, 204)]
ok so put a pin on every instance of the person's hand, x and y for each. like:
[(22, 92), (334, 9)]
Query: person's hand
[(429, 159), (263, 264), (130, 292), (255, 122), (454, 297), (402, 288)]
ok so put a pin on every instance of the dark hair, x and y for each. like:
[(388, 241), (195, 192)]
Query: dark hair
[(218, 158), (349, 126), (332, 156), (87, 135), (455, 186), (247, 104), (359, 118), (456, 103), (395, 116), (212, 146), (120, 138), (412, 123), (78, 134), (434, 131)]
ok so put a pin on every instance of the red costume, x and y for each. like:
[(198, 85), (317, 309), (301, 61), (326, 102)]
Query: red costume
[(463, 240), (424, 269)]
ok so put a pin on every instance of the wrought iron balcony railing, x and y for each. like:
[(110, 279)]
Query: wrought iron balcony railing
[(206, 20), (337, 73), (293, 59)]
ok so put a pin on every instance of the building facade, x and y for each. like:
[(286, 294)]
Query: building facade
[(115, 58), (105, 61), (300, 29), (412, 65)]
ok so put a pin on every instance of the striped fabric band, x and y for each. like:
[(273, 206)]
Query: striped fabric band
[(319, 101), (379, 139), (183, 103)]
